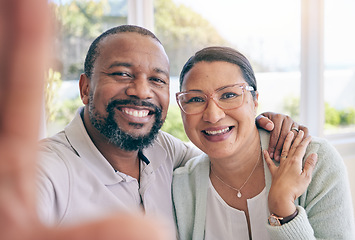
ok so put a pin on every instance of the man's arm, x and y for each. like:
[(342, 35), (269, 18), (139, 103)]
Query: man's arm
[(279, 125), (24, 37)]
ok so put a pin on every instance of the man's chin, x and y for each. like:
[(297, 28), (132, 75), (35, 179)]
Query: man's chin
[(138, 130)]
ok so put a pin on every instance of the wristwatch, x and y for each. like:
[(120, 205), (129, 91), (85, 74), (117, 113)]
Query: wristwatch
[(278, 221)]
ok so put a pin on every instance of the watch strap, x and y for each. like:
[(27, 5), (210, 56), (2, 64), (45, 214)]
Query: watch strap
[(275, 220), (288, 218)]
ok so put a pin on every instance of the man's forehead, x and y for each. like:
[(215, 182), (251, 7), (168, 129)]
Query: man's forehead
[(129, 46), (129, 39)]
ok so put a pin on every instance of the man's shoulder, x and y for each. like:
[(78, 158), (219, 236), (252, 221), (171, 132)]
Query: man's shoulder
[(57, 142), (55, 154), (164, 138)]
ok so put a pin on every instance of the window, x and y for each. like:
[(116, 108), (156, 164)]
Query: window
[(339, 64)]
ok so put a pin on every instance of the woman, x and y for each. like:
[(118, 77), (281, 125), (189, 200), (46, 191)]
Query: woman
[(248, 196)]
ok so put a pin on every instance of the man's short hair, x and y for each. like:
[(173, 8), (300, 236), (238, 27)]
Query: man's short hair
[(94, 52)]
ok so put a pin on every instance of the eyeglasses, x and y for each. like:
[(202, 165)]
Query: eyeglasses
[(226, 97)]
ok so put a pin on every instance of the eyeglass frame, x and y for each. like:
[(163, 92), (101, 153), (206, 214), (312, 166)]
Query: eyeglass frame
[(243, 86)]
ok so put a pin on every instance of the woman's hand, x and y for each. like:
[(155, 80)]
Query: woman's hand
[(278, 125), (289, 179)]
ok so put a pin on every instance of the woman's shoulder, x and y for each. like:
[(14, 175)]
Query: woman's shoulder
[(196, 164), (329, 160), (323, 148)]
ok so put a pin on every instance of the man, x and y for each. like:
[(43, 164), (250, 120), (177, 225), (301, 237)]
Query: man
[(112, 156), (23, 50)]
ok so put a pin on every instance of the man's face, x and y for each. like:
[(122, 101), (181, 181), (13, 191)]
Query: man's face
[(128, 94)]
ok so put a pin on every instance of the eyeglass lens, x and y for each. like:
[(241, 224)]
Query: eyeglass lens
[(226, 98)]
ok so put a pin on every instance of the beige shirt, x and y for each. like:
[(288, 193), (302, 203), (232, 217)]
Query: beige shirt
[(77, 183)]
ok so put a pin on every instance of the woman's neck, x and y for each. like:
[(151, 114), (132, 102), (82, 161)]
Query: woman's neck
[(242, 162)]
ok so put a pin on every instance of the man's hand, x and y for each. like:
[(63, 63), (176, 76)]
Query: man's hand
[(24, 38), (279, 126)]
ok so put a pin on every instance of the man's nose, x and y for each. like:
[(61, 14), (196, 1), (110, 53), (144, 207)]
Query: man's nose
[(213, 113), (140, 88)]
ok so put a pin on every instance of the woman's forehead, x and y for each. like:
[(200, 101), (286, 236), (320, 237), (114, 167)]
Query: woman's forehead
[(212, 75)]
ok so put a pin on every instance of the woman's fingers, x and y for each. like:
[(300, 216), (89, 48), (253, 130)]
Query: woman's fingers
[(296, 141), (292, 155), (309, 166), (286, 146)]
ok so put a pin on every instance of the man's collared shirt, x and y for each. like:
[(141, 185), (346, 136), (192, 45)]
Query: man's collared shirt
[(76, 183)]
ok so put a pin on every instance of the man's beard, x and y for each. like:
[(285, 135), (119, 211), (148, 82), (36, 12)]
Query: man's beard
[(123, 140)]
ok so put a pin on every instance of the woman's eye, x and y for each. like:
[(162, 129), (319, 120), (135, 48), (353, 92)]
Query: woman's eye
[(195, 100), (229, 95)]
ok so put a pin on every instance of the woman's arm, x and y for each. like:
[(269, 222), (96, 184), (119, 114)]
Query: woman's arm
[(324, 207)]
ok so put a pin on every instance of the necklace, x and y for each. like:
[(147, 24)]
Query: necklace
[(239, 194)]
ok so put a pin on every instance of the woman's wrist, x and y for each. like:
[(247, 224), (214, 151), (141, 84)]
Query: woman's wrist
[(282, 207)]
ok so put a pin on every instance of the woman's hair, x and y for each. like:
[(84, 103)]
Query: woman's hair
[(222, 54)]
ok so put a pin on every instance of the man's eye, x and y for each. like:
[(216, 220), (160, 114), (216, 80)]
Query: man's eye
[(121, 74), (157, 80)]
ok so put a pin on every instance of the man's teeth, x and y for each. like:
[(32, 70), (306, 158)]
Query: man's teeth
[(136, 113), (218, 131)]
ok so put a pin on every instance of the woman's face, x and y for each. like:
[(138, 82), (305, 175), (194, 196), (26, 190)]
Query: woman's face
[(219, 133)]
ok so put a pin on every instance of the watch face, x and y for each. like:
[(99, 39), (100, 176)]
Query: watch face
[(273, 221)]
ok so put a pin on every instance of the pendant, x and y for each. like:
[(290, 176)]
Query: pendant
[(239, 194)]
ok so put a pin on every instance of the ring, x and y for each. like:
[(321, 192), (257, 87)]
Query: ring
[(294, 128)]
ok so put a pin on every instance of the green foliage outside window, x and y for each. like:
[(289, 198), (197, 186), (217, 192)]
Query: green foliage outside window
[(52, 84), (333, 117), (68, 109), (173, 123), (182, 32)]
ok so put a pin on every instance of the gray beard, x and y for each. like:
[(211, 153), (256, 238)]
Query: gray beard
[(123, 140)]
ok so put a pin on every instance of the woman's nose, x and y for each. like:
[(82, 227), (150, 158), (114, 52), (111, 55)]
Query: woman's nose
[(213, 113)]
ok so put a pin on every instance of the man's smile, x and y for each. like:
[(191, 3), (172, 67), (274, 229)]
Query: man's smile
[(135, 112)]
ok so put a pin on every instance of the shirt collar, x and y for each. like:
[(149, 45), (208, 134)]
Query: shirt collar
[(80, 141)]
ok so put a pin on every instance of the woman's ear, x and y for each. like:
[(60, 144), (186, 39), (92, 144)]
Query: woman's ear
[(256, 101), (84, 87)]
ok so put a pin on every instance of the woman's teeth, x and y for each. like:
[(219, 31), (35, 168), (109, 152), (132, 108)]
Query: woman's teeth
[(217, 132)]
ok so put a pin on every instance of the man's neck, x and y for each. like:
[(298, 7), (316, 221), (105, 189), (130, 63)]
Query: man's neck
[(127, 162)]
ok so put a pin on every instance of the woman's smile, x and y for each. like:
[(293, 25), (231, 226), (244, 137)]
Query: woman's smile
[(217, 134)]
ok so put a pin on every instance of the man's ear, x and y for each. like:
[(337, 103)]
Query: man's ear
[(84, 87)]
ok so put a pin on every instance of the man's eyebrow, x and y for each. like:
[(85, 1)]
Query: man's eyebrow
[(126, 64), (158, 70), (120, 64)]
